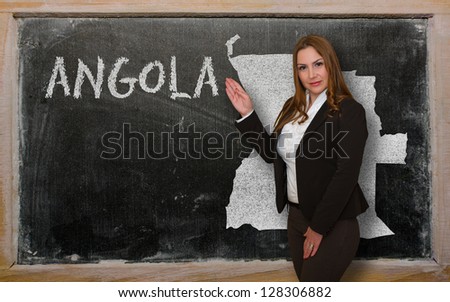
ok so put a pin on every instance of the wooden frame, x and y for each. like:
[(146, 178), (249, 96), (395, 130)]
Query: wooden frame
[(438, 68)]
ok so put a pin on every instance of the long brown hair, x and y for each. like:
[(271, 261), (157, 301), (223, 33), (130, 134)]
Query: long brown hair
[(295, 107)]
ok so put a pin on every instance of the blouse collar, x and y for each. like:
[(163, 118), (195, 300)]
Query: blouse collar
[(318, 102)]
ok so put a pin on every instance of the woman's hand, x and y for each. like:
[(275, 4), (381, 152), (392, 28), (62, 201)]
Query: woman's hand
[(312, 243), (238, 97)]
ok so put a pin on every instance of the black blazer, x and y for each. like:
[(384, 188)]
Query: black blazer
[(327, 163)]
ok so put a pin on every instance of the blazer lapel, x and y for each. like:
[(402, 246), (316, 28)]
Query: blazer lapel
[(319, 118)]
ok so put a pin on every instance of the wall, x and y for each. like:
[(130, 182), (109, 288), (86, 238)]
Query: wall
[(438, 43)]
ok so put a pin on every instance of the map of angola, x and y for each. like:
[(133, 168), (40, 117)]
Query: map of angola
[(268, 80)]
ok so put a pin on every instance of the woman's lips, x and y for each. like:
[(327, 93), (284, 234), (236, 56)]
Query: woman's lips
[(314, 84)]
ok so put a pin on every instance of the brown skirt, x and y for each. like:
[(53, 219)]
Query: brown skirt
[(335, 253)]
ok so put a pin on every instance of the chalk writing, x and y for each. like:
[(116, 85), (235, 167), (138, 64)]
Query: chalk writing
[(59, 77)]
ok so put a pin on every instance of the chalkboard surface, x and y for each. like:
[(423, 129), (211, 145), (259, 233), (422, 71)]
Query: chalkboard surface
[(128, 148)]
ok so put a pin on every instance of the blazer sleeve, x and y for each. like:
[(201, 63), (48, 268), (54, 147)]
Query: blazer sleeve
[(352, 121), (254, 135)]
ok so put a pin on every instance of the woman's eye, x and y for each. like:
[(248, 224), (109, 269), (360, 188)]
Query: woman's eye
[(318, 64), (301, 68)]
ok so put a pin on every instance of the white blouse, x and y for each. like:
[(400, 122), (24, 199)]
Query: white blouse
[(289, 140)]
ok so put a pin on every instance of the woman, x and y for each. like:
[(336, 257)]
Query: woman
[(317, 148)]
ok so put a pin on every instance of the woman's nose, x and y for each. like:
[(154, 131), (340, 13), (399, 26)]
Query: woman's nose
[(311, 72)]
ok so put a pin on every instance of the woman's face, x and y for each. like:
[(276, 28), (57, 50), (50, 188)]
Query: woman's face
[(312, 72)]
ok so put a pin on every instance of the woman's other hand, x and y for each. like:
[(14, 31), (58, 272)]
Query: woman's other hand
[(311, 243), (238, 97)]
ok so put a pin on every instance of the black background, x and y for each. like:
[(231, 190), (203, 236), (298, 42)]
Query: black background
[(74, 202)]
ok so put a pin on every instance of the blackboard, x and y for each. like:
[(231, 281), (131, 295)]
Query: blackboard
[(128, 148)]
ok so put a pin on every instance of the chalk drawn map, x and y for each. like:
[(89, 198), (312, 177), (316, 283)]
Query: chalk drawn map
[(268, 81)]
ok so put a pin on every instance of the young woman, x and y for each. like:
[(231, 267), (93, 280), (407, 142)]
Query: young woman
[(317, 148)]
